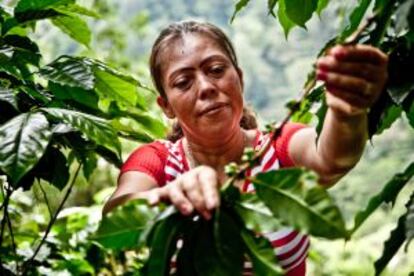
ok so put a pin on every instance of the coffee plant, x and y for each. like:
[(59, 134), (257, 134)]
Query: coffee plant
[(67, 113)]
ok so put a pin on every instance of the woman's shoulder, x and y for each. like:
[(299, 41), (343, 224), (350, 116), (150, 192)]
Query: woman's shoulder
[(281, 144)]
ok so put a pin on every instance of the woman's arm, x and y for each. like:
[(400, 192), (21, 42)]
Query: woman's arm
[(131, 185), (354, 77)]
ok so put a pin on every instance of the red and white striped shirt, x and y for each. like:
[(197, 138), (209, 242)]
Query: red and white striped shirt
[(165, 161)]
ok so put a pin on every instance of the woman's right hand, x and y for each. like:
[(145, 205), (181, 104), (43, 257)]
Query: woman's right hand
[(196, 190)]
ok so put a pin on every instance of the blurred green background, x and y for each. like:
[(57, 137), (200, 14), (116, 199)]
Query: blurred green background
[(274, 70)]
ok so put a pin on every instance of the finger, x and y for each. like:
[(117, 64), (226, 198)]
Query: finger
[(347, 83), (359, 53), (363, 70), (192, 190), (178, 198), (209, 187), (348, 97)]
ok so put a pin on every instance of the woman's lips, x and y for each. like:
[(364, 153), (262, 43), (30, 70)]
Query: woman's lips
[(211, 109)]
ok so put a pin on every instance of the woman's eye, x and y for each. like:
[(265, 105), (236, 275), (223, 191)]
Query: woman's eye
[(182, 84), (217, 70)]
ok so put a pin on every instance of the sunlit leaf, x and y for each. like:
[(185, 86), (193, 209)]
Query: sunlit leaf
[(355, 18), (72, 95), (409, 221), (75, 27), (25, 5), (95, 128), (255, 215), (121, 228), (310, 209), (69, 71), (7, 95), (387, 195), (394, 242), (390, 115), (322, 4), (300, 11), (284, 20), (23, 141), (261, 254), (241, 4), (76, 9)]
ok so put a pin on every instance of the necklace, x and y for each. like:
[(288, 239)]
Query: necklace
[(188, 152)]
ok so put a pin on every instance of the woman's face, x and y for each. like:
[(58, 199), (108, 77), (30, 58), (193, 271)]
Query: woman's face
[(203, 88)]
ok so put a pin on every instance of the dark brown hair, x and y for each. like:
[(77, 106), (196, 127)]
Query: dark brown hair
[(176, 31)]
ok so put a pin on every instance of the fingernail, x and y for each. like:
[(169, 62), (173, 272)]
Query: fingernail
[(321, 75)]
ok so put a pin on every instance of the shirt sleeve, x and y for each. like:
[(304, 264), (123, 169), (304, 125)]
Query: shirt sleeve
[(149, 159), (282, 143)]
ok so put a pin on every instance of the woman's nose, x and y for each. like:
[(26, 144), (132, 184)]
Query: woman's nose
[(206, 87)]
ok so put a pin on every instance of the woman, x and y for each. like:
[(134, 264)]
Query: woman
[(195, 70)]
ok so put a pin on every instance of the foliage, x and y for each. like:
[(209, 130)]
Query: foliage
[(72, 109), (75, 108)]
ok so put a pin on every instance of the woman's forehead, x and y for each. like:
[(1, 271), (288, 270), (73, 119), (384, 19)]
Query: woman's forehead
[(189, 50)]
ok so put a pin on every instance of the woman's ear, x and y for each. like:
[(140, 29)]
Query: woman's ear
[(165, 106)]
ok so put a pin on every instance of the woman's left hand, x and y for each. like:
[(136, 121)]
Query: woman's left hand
[(354, 76)]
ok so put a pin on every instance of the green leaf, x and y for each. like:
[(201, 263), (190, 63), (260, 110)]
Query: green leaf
[(70, 95), (409, 221), (255, 214), (74, 27), (24, 49), (8, 67), (23, 141), (377, 113), (76, 9), (389, 116), (409, 111), (95, 128), (53, 168), (155, 126), (284, 20), (69, 71), (207, 259), (271, 4), (32, 15), (115, 85), (310, 209), (355, 19), (400, 82), (320, 114), (300, 11), (261, 254), (25, 5), (121, 228), (164, 244), (387, 195), (239, 6), (130, 130), (228, 242), (322, 4), (394, 242), (7, 95)]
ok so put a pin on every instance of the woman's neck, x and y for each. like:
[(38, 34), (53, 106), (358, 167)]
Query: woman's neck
[(218, 153)]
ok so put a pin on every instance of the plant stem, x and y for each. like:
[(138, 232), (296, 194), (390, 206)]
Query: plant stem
[(52, 220), (46, 199), (12, 237)]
